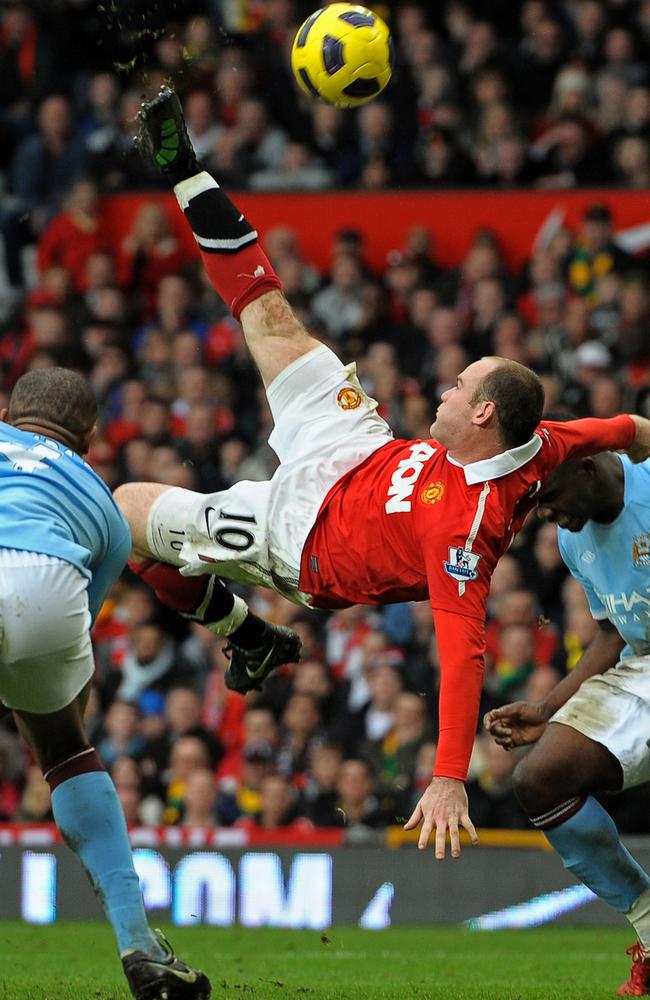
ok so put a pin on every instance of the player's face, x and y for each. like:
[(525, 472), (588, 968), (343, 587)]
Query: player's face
[(456, 410), (565, 504)]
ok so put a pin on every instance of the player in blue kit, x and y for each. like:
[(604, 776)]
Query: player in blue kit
[(593, 728), (63, 543)]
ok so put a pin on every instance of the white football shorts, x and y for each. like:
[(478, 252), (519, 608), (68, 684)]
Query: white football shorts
[(46, 655), (254, 532), (614, 709)]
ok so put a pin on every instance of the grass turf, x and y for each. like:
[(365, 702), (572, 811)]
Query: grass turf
[(77, 961)]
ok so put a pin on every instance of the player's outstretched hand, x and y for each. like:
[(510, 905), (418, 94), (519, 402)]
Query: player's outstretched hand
[(443, 806), (516, 725), (639, 450)]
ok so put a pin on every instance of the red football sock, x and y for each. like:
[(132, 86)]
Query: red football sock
[(242, 277), (238, 268), (181, 593)]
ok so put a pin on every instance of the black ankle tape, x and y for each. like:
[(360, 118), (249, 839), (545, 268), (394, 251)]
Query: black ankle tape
[(218, 225), (250, 633)]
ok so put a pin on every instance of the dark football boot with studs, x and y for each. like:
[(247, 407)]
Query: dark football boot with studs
[(164, 978), (162, 137), (249, 668)]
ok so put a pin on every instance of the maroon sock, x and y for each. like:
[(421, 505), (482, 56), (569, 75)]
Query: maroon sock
[(82, 762)]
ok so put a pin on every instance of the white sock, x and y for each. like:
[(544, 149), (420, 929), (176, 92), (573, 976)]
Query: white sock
[(639, 917), (226, 626)]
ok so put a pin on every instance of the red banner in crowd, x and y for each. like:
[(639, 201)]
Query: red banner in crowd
[(296, 835), (384, 219)]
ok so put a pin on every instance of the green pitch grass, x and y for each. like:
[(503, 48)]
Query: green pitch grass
[(77, 962)]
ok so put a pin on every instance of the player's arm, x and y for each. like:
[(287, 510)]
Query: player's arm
[(580, 438), (521, 722), (443, 806), (106, 573), (639, 450)]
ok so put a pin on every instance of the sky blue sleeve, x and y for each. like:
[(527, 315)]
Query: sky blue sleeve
[(106, 573), (596, 606)]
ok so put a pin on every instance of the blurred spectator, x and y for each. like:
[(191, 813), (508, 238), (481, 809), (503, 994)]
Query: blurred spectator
[(183, 710), (301, 731), (11, 766), (518, 609), (44, 166), (122, 737), (201, 125), (187, 756), (73, 235), (339, 306), (152, 661), (357, 804), (595, 251), (319, 796), (278, 805), (149, 253), (299, 170), (35, 805), (492, 801), (199, 802), (393, 759), (241, 797)]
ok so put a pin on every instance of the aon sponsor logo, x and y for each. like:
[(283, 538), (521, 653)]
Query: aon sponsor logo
[(405, 477)]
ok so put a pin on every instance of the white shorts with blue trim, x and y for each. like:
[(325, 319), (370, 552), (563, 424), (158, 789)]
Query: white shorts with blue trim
[(46, 655), (614, 709)]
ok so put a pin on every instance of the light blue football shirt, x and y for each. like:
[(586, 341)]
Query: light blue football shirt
[(612, 562), (52, 502)]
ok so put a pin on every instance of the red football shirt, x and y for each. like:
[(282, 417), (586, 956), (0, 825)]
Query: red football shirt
[(409, 524)]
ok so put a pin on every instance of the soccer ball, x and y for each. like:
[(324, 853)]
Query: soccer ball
[(342, 54)]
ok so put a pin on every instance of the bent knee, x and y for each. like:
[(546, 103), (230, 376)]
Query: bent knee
[(137, 498), (538, 785), (135, 501)]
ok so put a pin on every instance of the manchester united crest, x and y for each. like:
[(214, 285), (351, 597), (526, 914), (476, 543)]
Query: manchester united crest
[(432, 492), (349, 398)]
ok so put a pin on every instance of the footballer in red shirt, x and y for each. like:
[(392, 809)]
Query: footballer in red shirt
[(352, 515)]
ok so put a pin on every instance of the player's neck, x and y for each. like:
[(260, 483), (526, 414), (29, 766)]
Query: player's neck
[(49, 430), (476, 451)]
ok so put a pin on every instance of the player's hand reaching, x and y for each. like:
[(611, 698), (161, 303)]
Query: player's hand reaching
[(639, 450), (517, 724), (443, 806)]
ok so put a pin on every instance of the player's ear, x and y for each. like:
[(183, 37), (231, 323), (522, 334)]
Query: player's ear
[(4, 413), (84, 445), (485, 412)]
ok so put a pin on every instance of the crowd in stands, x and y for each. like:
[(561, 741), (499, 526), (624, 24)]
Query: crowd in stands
[(539, 94), (558, 97)]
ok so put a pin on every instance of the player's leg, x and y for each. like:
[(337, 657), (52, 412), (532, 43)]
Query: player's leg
[(87, 811), (203, 599), (238, 268), (46, 666), (159, 516), (555, 783), (89, 815)]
